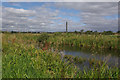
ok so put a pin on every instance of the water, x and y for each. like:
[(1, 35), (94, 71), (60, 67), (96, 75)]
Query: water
[(104, 55), (111, 56)]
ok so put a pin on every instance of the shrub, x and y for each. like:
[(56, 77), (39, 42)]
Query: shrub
[(88, 32), (43, 37), (107, 32), (57, 33), (75, 31), (118, 31)]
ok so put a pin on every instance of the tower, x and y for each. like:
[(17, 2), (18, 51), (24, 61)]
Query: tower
[(66, 26)]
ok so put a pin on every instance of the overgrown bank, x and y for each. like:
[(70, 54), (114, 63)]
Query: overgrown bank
[(110, 42), (22, 59)]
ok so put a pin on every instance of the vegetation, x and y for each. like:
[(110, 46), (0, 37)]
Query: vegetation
[(73, 59), (118, 32), (23, 60), (43, 37), (107, 32), (86, 41), (21, 57)]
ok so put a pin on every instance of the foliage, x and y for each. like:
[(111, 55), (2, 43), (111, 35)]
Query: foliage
[(43, 37), (88, 32), (74, 59), (57, 33), (86, 41), (118, 31), (107, 33), (22, 59), (75, 31)]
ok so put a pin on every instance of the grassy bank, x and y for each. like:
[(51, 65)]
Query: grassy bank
[(86, 41), (22, 59)]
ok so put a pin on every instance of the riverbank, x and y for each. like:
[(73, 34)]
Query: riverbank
[(22, 59), (98, 41)]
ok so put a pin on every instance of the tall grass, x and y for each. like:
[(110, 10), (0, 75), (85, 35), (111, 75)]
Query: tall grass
[(21, 59), (86, 41)]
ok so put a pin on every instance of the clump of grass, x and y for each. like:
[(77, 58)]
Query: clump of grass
[(74, 59), (79, 59), (43, 37), (95, 63), (102, 72), (57, 33)]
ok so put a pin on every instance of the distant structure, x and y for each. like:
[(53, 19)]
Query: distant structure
[(66, 26)]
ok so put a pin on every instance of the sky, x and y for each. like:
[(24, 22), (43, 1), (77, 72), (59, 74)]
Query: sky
[(52, 16), (60, 0)]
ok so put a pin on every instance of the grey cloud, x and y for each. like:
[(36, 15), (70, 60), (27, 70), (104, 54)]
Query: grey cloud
[(93, 14), (40, 19), (45, 19)]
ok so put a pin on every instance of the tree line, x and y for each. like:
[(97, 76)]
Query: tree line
[(77, 32)]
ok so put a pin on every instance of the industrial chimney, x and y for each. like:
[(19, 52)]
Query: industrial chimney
[(66, 26)]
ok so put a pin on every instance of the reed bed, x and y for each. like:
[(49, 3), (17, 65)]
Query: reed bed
[(86, 41), (21, 59)]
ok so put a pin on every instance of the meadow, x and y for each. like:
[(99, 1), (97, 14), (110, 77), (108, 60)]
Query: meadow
[(27, 55)]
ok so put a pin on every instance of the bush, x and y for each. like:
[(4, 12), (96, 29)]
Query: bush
[(88, 32), (118, 31), (43, 37), (75, 31), (57, 33), (107, 32)]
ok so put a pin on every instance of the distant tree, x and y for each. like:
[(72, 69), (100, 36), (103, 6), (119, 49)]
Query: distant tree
[(95, 32), (88, 32), (81, 31), (75, 31), (118, 31), (43, 37), (107, 33), (57, 33), (13, 32)]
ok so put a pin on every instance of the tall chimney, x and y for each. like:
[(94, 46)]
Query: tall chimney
[(66, 26)]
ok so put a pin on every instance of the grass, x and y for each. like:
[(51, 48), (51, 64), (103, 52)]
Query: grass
[(86, 41), (0, 65), (73, 59), (22, 59), (0, 56)]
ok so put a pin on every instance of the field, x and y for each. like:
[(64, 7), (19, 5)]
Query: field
[(28, 55)]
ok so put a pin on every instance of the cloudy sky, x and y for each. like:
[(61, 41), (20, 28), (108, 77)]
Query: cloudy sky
[(60, 0), (51, 16)]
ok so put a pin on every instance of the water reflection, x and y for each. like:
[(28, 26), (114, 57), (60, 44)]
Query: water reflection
[(105, 55)]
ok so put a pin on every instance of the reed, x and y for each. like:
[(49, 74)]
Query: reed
[(21, 59), (87, 41), (72, 59)]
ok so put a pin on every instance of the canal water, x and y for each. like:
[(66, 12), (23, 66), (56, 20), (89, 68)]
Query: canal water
[(110, 56)]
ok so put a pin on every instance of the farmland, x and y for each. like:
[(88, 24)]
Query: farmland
[(28, 55)]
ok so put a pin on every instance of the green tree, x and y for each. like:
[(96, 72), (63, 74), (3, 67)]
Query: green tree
[(82, 30)]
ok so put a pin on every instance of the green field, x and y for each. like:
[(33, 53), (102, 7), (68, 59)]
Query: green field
[(21, 57)]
